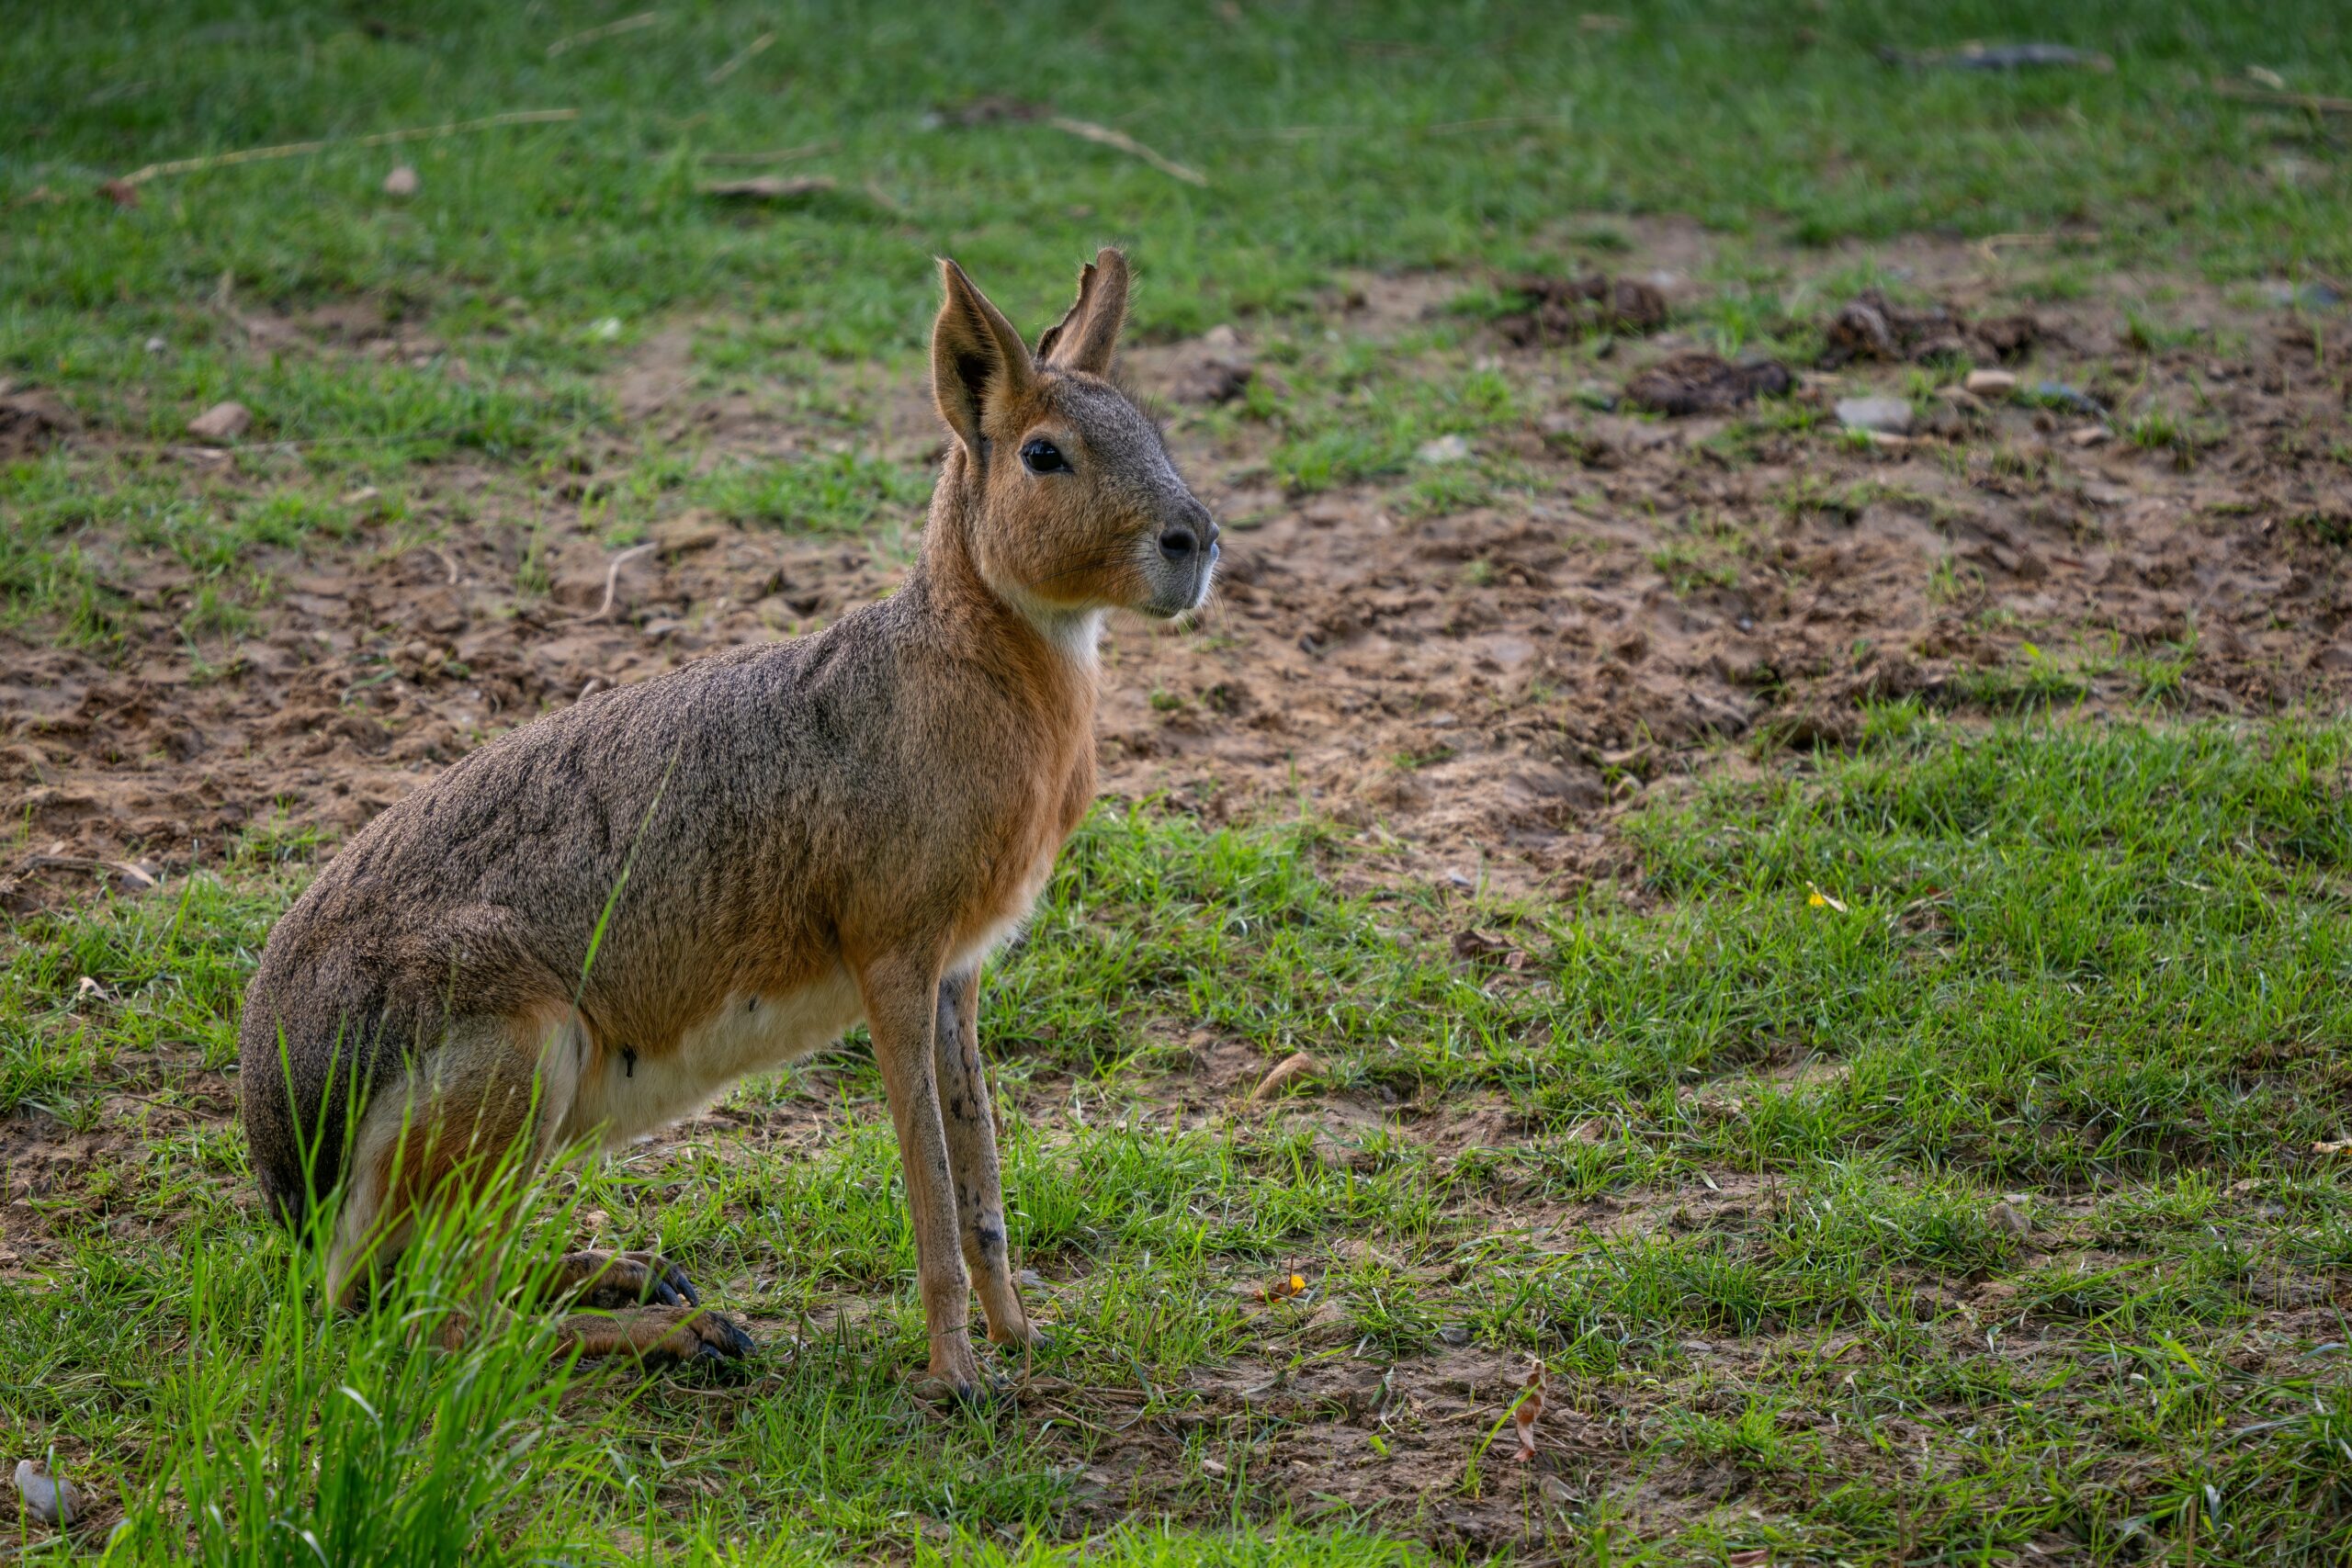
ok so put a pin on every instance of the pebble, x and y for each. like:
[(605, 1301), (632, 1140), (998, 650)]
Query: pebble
[(1991, 383), (1445, 449), (2057, 394), (2087, 435), (2302, 296), (1886, 416), (402, 181), (222, 421), (54, 1500)]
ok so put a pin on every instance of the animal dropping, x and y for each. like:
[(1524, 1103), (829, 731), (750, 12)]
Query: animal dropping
[(595, 924)]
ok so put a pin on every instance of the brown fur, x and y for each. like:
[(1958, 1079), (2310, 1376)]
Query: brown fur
[(788, 837)]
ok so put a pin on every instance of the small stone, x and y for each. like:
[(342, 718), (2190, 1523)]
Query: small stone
[(52, 1499), (221, 423), (2087, 435), (402, 181), (1445, 449), (1990, 383), (2058, 395), (2302, 296), (1884, 416)]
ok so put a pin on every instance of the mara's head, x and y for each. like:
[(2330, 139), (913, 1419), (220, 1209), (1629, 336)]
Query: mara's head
[(1073, 503)]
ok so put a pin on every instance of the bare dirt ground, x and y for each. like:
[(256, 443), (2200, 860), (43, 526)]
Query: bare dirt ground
[(1484, 685)]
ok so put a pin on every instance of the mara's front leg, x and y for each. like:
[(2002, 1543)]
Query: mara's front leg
[(900, 996), (971, 1152)]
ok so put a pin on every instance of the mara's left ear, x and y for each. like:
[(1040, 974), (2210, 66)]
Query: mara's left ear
[(1083, 339)]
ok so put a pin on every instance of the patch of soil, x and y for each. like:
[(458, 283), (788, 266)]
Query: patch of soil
[(1485, 688), (1699, 382)]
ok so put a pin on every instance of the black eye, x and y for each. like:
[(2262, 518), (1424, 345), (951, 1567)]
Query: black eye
[(1041, 456)]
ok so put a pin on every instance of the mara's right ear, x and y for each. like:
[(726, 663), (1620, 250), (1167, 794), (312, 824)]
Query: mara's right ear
[(1083, 339), (977, 361)]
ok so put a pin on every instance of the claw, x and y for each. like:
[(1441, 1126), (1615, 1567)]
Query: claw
[(682, 1290)]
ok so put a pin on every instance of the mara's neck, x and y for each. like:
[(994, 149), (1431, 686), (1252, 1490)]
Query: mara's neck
[(1001, 624)]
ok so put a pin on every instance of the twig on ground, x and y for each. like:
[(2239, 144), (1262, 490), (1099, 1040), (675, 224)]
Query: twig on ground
[(613, 577), (296, 149), (2316, 103), (1105, 136), (610, 29), (743, 57)]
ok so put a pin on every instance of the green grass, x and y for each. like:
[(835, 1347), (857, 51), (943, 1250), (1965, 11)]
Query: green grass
[(1382, 136), (2089, 971)]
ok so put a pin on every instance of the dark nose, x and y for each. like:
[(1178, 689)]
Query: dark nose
[(1182, 541)]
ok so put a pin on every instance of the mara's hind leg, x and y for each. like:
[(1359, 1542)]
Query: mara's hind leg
[(479, 1104), (485, 1104)]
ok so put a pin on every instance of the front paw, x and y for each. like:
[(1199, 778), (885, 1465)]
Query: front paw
[(956, 1378), (1019, 1334)]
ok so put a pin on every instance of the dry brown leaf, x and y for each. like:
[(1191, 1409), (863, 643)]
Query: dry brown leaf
[(221, 423), (1477, 946), (1292, 1068), (1529, 1406), (2337, 1146)]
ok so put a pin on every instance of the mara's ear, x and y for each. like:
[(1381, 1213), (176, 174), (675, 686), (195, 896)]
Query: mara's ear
[(977, 361), (1083, 339)]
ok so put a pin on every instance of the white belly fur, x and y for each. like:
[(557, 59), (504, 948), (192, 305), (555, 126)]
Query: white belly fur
[(619, 1099)]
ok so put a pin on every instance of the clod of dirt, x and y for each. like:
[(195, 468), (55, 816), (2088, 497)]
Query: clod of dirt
[(1562, 310), (1871, 326), (402, 182), (688, 532), (1705, 383), (1212, 369), (51, 1499), (32, 421), (221, 423), (2011, 1220)]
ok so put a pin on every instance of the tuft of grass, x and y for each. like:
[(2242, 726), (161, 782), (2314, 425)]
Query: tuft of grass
[(841, 492)]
